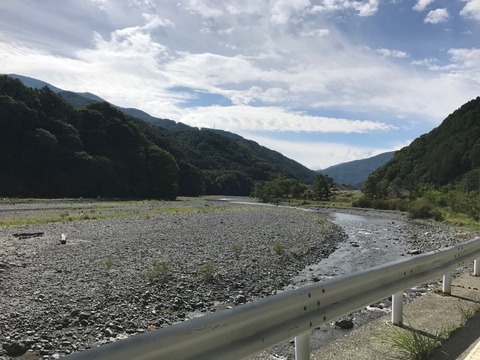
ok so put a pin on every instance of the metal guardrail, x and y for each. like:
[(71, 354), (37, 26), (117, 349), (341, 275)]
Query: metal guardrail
[(246, 330)]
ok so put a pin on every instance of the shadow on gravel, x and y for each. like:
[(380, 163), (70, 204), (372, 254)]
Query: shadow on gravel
[(459, 341)]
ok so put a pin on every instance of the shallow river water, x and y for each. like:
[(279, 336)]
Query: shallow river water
[(371, 241)]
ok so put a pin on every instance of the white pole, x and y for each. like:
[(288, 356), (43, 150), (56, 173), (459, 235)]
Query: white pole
[(397, 308), (302, 346), (447, 283), (476, 267)]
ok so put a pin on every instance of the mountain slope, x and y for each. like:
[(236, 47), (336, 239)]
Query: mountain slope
[(356, 172), (445, 155), (50, 149), (206, 161), (34, 83)]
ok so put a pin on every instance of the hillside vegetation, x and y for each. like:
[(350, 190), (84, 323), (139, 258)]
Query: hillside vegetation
[(62, 144), (437, 175)]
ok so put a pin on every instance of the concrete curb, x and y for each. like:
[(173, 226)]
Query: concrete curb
[(475, 353)]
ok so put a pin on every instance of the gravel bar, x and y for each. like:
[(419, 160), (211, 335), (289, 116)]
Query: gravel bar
[(155, 264)]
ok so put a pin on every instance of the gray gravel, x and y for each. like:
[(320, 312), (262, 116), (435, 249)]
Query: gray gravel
[(56, 299), (100, 286)]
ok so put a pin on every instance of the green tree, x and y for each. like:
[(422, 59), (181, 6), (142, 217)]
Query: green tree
[(279, 188), (322, 187)]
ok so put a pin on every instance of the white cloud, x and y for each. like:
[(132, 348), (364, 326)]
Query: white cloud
[(392, 53), (427, 62), (422, 4), (262, 65), (464, 64), (367, 8), (471, 9), (319, 155), (437, 16), (363, 8), (200, 7), (315, 33), (467, 60), (282, 10), (249, 118)]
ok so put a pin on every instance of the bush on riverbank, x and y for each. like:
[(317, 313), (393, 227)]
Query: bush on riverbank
[(449, 204)]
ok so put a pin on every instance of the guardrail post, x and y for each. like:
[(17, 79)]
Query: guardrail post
[(476, 267), (302, 346), (447, 283), (397, 308)]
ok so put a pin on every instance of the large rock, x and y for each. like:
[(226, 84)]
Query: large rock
[(15, 349), (344, 324)]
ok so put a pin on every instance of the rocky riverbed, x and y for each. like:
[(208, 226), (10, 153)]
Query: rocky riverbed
[(128, 268)]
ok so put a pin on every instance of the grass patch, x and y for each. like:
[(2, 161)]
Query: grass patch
[(108, 262), (237, 248), (468, 312), (77, 210), (278, 248), (303, 243), (339, 198), (411, 344), (208, 271), (160, 270)]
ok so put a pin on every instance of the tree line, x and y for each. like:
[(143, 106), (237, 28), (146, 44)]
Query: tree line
[(283, 188)]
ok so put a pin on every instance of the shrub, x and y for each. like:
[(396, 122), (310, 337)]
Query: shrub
[(108, 262), (278, 248), (160, 270), (381, 204), (208, 271), (420, 210), (400, 205), (236, 247), (362, 202), (437, 215)]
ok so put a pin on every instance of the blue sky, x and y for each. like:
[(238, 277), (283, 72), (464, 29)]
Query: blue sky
[(321, 81)]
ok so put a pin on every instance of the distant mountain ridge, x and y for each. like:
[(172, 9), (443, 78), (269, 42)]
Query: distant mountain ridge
[(120, 151), (80, 100), (34, 83), (356, 172)]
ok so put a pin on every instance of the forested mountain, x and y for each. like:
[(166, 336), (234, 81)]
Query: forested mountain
[(448, 154), (356, 172), (71, 145)]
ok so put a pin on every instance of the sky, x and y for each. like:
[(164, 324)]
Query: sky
[(320, 81)]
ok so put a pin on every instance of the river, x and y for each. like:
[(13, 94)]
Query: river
[(371, 241)]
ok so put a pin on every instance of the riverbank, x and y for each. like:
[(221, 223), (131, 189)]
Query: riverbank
[(131, 267), (157, 264)]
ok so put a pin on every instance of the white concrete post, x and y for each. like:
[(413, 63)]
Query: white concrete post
[(476, 267), (302, 346), (397, 308), (447, 283)]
